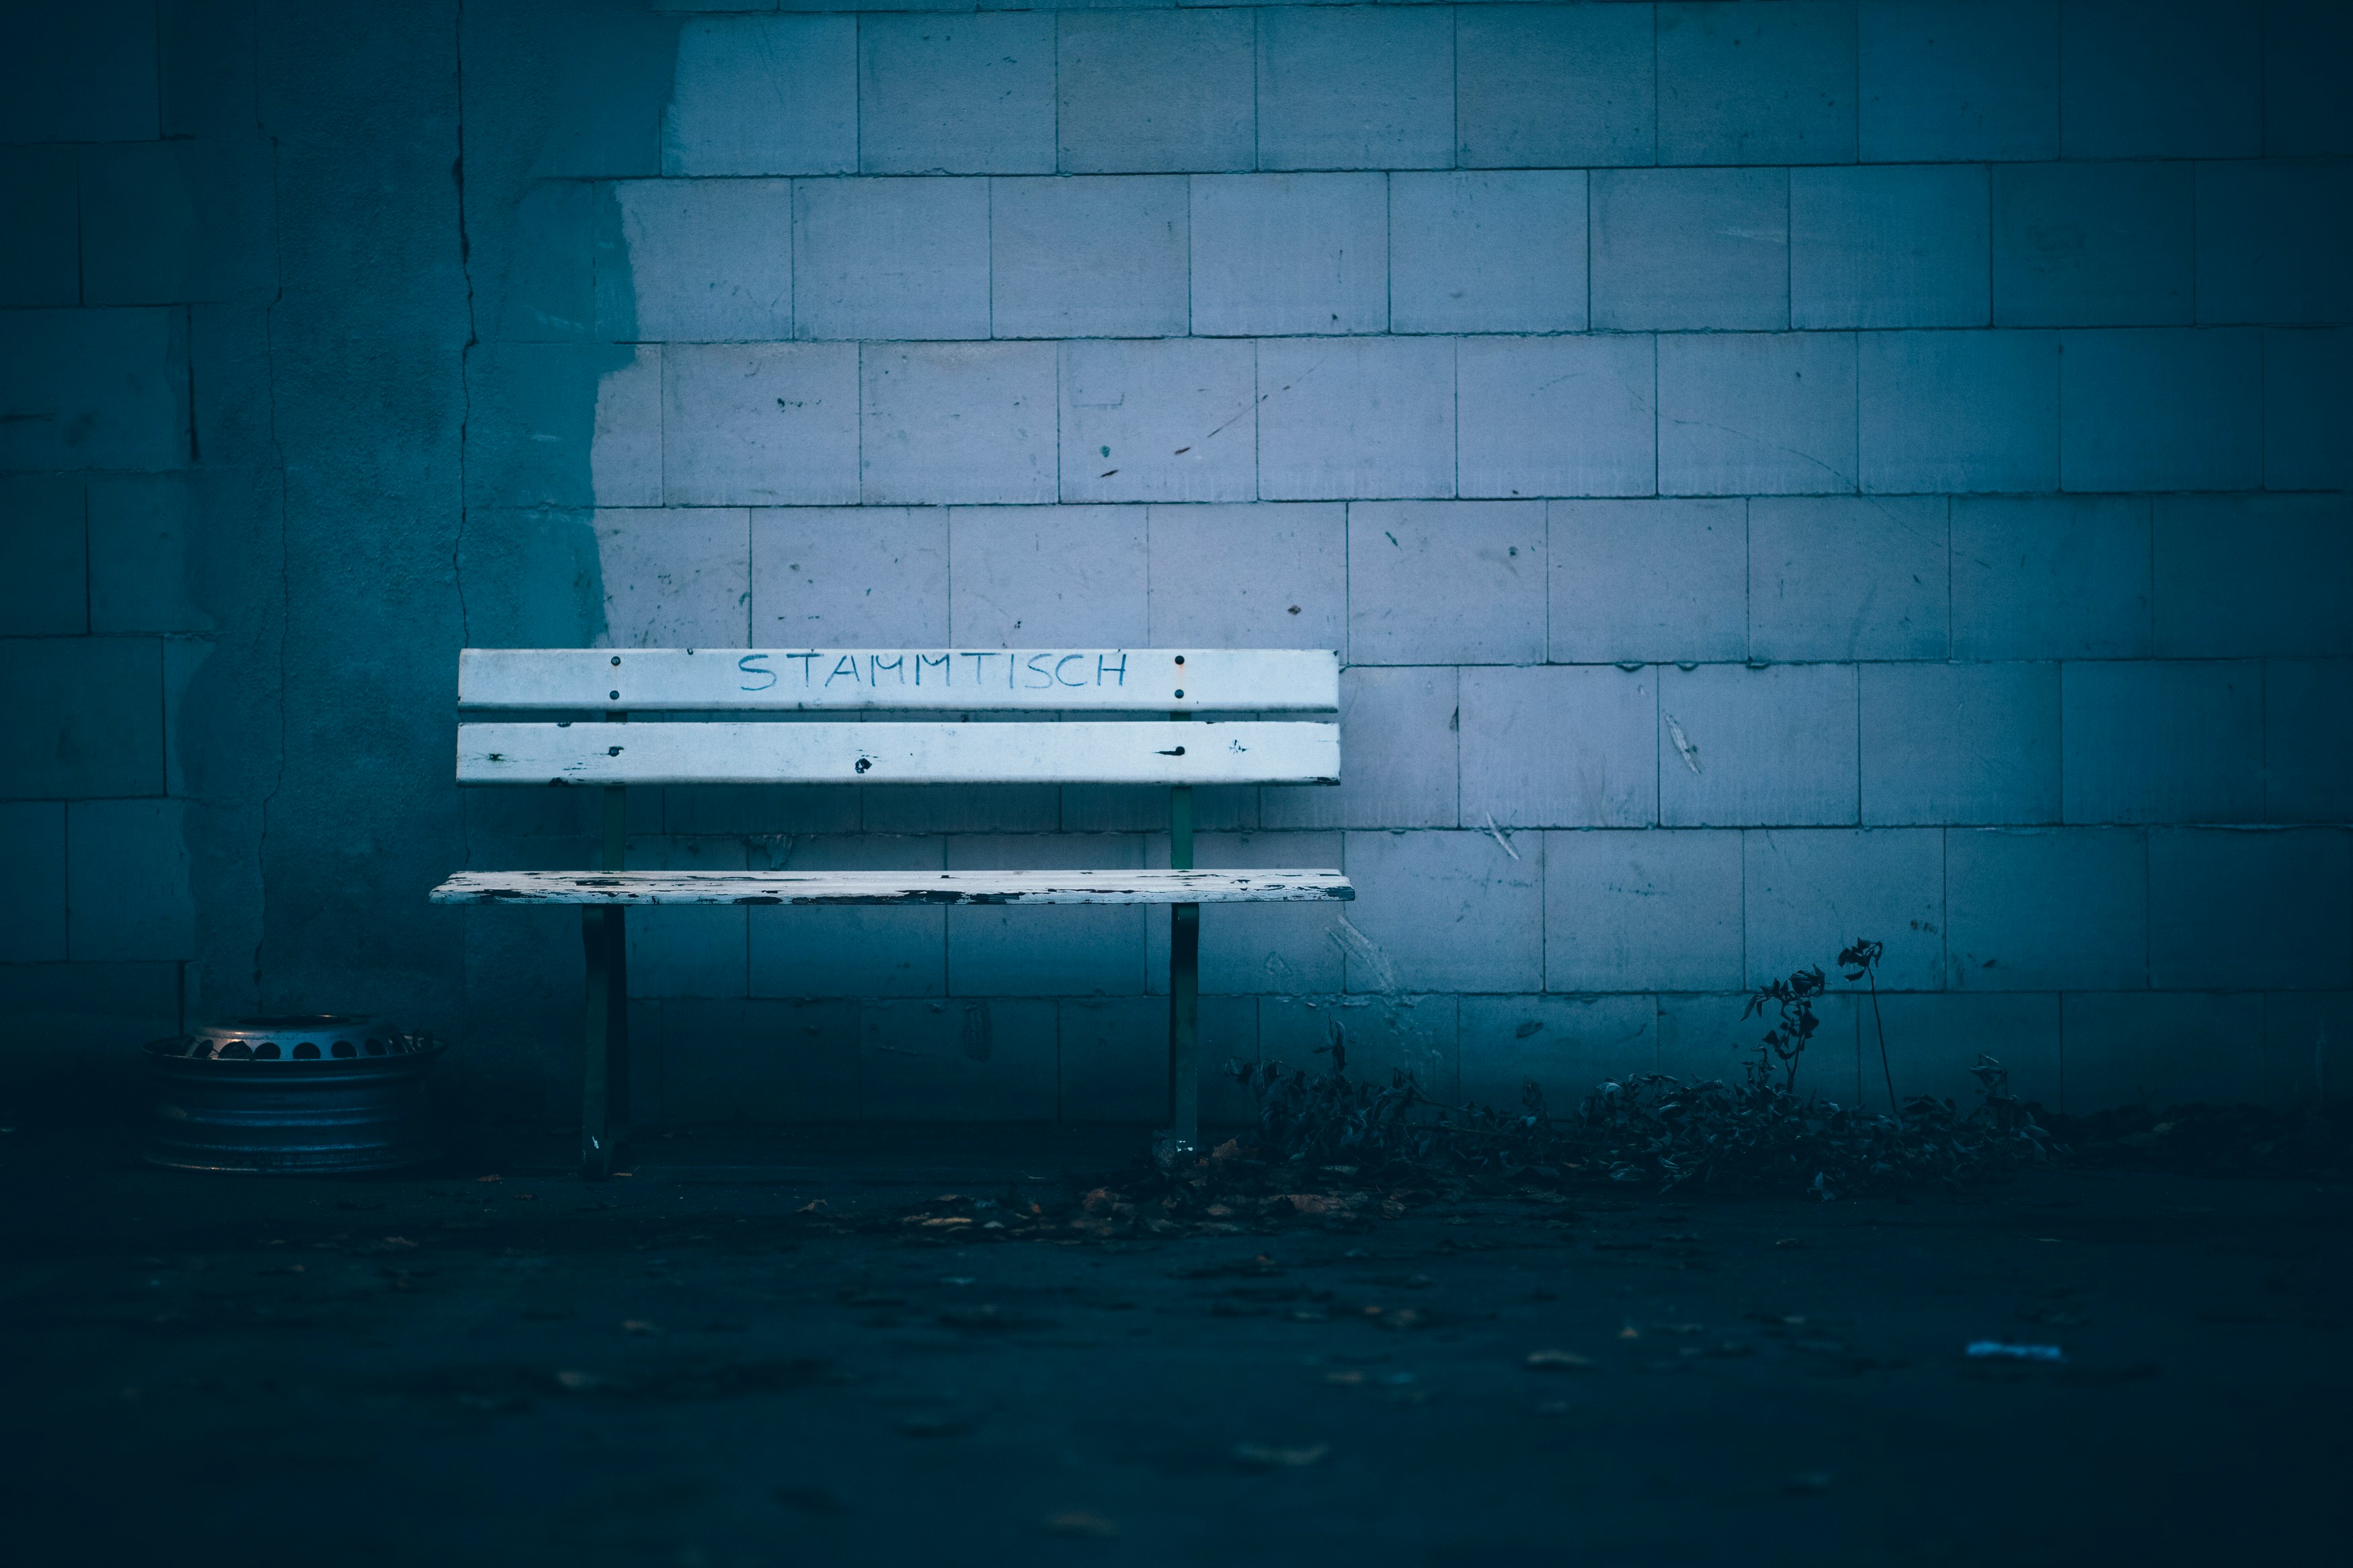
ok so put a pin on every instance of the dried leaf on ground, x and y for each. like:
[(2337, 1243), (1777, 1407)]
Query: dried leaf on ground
[(1268, 1456), (1081, 1523)]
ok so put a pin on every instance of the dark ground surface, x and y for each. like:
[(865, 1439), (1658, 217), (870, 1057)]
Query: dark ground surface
[(677, 1369)]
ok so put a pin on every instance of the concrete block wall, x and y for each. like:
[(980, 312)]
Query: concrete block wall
[(139, 254), (1777, 471)]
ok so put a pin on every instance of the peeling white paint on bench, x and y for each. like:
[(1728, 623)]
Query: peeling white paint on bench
[(726, 716), (1167, 681), (891, 888), (754, 752)]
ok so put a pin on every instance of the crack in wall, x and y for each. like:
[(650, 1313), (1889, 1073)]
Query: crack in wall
[(285, 550), (473, 336), (1748, 436), (465, 393)]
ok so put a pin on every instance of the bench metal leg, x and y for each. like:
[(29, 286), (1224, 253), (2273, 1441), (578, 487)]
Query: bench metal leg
[(1184, 984), (604, 930), (1185, 1026), (605, 1083)]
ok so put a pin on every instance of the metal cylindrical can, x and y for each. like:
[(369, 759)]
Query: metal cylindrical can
[(319, 1094)]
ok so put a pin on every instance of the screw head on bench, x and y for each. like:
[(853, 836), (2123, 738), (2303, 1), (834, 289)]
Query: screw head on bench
[(616, 658), (1180, 659), (1180, 691), (614, 695)]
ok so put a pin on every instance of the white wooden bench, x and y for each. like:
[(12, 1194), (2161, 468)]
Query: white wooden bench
[(704, 694)]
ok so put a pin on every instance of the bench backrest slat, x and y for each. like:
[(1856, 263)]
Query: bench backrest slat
[(1252, 681), (722, 752)]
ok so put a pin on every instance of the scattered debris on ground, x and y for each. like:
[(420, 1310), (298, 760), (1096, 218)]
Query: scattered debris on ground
[(766, 1352), (1339, 1153)]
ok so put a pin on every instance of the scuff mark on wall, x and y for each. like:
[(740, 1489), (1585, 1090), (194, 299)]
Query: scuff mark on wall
[(1497, 834), (1683, 747), (1380, 974)]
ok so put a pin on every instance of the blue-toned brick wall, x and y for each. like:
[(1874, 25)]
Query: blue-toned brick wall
[(1777, 471)]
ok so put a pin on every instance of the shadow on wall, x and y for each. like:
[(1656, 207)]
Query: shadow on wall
[(562, 101), (531, 576)]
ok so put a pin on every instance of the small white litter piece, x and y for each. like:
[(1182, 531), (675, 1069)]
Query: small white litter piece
[(1999, 1350)]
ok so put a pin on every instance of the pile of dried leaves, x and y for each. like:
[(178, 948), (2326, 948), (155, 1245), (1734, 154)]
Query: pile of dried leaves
[(1338, 1152), (1335, 1151), (1756, 1135)]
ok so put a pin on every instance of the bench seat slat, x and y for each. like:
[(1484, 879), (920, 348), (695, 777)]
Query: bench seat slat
[(722, 752), (802, 887), (1250, 681)]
